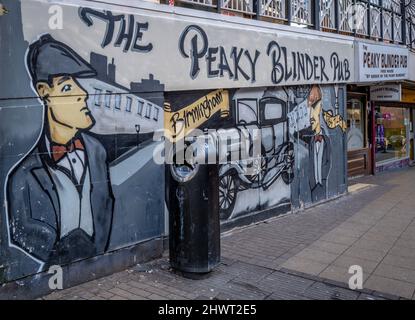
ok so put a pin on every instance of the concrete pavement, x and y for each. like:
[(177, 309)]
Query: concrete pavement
[(379, 236), (304, 255)]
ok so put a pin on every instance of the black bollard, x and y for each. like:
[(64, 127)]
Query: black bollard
[(193, 200)]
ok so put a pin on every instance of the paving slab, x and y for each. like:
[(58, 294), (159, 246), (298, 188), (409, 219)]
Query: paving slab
[(305, 255)]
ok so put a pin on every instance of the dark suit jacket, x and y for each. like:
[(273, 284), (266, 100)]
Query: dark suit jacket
[(318, 191), (34, 209)]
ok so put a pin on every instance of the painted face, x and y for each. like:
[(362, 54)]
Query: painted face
[(66, 100), (315, 112), (314, 103)]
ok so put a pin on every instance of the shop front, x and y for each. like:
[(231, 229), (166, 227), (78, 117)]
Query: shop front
[(379, 121), (408, 97)]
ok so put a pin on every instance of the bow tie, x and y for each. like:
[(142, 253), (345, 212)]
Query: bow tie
[(59, 150), (318, 137)]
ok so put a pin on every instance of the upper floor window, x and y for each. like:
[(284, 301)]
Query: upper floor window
[(148, 111), (118, 101), (98, 97), (156, 114), (128, 104), (140, 107), (108, 99)]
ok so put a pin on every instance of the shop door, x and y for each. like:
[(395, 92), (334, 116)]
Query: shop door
[(358, 151)]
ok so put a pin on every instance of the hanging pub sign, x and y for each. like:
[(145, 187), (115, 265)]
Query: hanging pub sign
[(386, 92), (381, 62)]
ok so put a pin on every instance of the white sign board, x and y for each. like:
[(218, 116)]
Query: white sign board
[(381, 62), (188, 53), (411, 65), (387, 92)]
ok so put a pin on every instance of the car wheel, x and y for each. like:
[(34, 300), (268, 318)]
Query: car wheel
[(228, 189)]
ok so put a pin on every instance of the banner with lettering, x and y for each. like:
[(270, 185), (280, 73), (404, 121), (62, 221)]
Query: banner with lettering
[(185, 52), (180, 123)]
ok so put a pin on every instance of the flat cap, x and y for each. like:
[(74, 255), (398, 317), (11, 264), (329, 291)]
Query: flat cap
[(48, 58)]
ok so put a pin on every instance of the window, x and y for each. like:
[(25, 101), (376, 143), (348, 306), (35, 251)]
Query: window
[(156, 114), (108, 99), (392, 130), (148, 111), (128, 104), (140, 107), (272, 111), (355, 125), (118, 101), (98, 97), (247, 111)]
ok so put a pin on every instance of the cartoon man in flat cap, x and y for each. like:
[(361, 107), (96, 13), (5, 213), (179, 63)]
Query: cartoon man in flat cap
[(319, 148), (60, 202)]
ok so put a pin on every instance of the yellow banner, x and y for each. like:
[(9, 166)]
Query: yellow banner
[(334, 121), (179, 123)]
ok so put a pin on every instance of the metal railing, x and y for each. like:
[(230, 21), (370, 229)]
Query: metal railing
[(345, 15), (243, 6), (382, 20), (273, 9), (328, 14), (206, 3), (301, 12)]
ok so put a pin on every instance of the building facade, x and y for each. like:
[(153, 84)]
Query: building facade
[(91, 92)]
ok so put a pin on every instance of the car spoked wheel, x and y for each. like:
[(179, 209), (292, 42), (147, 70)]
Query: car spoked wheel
[(227, 194)]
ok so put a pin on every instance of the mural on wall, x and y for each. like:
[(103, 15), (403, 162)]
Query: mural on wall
[(266, 111), (295, 124), (54, 213), (77, 171), (241, 189), (80, 179), (320, 142), (60, 198), (319, 148), (281, 114)]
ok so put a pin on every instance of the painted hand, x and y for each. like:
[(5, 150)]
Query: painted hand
[(3, 10)]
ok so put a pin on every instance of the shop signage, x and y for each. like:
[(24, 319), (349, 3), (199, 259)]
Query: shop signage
[(411, 64), (185, 53), (387, 92), (381, 62)]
